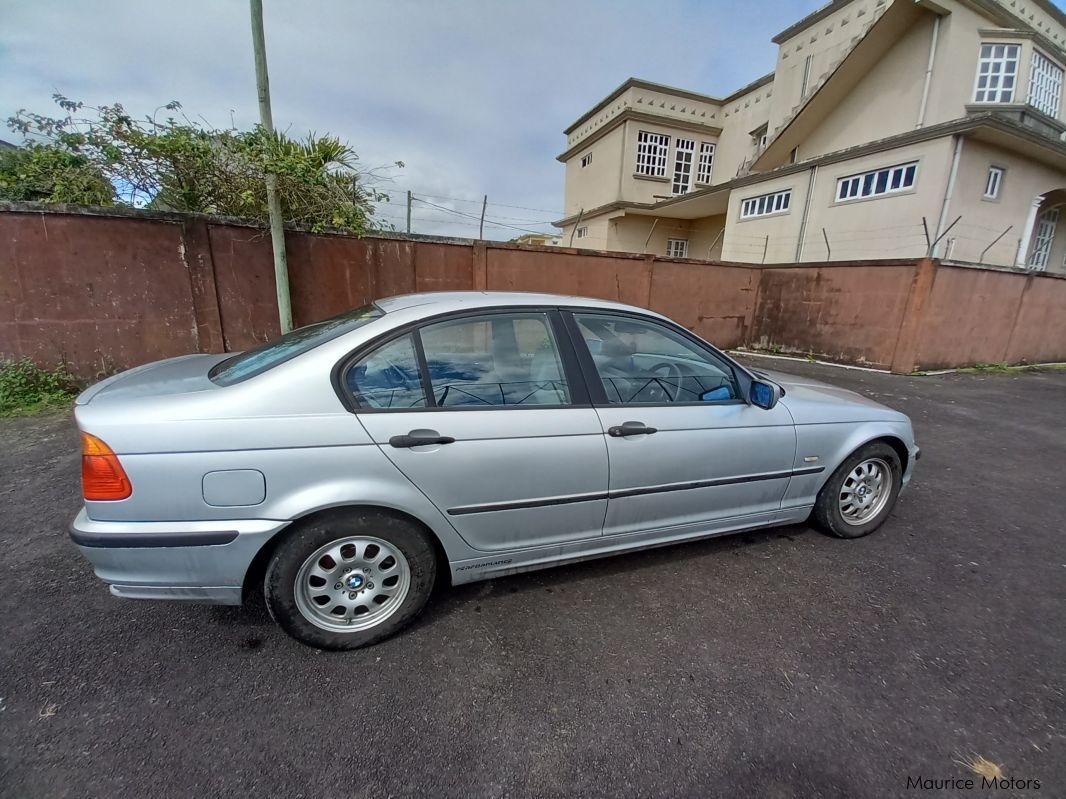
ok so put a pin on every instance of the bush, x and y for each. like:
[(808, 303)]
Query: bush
[(27, 388)]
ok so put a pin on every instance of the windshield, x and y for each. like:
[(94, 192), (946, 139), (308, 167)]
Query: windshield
[(267, 356)]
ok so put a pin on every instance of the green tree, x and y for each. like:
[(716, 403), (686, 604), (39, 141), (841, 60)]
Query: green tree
[(48, 174), (182, 165)]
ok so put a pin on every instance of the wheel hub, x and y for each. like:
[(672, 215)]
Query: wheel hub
[(355, 581)]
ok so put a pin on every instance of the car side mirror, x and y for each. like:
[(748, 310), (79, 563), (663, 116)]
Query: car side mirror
[(764, 394)]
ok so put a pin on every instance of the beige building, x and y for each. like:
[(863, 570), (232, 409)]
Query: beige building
[(542, 239), (888, 128)]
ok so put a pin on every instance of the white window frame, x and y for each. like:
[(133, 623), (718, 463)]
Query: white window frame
[(997, 64), (1045, 84), (652, 152), (677, 248), (705, 168), (586, 159), (994, 182), (806, 77), (877, 182), (684, 155), (776, 202), (582, 232)]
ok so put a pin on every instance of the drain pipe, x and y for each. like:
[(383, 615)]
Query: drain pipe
[(947, 197), (928, 72)]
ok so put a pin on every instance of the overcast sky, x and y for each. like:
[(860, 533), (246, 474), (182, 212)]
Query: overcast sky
[(472, 95)]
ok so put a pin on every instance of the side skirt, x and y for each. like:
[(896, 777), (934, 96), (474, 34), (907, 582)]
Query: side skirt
[(501, 564)]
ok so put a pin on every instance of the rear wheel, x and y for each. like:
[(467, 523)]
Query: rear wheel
[(349, 581), (861, 493)]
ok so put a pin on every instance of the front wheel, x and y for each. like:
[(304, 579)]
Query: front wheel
[(861, 493), (350, 580)]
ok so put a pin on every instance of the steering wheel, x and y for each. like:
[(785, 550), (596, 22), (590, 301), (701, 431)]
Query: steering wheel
[(669, 383)]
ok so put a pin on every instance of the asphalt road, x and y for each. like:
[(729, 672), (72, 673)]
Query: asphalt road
[(777, 664)]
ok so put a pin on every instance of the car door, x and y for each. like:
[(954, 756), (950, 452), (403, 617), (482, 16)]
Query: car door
[(489, 416), (684, 446)]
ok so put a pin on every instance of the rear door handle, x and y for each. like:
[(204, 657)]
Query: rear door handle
[(630, 429), (414, 439)]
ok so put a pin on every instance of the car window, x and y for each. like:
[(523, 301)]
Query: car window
[(388, 377), (267, 356), (645, 363), (494, 360)]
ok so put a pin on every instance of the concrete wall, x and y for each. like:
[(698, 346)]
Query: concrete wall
[(109, 292)]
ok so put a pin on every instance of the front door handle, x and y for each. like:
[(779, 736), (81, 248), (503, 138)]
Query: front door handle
[(630, 429), (418, 439)]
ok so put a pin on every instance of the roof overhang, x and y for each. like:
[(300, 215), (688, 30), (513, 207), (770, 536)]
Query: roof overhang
[(639, 84), (879, 38)]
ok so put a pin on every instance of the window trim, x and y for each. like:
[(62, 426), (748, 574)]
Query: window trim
[(889, 192), (772, 195), (1037, 53), (1002, 171), (586, 159), (594, 385), (579, 235), (572, 372), (977, 74), (661, 154), (670, 254)]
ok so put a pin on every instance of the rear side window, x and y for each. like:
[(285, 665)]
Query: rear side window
[(495, 360), (267, 356), (388, 377)]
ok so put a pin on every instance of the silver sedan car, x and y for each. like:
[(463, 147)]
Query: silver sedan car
[(349, 466)]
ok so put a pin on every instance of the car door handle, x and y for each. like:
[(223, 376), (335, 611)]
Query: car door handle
[(630, 429), (414, 440)]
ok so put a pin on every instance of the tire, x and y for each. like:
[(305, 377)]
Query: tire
[(839, 509), (304, 592)]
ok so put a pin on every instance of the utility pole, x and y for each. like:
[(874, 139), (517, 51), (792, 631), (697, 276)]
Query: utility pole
[(277, 225), (408, 210), (481, 228)]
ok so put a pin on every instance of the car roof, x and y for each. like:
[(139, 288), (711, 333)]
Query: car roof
[(444, 301)]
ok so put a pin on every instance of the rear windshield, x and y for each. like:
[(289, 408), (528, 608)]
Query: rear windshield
[(267, 356)]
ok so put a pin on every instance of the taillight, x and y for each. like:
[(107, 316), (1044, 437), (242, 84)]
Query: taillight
[(102, 476)]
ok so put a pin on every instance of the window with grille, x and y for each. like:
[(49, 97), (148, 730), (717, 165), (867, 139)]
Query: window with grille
[(703, 173), (651, 153), (1045, 84), (586, 159), (1044, 237), (683, 155), (997, 69), (993, 182), (877, 182), (677, 248), (766, 204)]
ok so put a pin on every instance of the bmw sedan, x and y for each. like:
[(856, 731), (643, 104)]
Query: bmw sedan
[(348, 467)]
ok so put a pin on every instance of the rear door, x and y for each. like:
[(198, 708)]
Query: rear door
[(684, 447), (487, 413)]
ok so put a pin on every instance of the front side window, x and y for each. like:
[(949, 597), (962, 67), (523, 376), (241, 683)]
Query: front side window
[(683, 156), (889, 180), (677, 248), (388, 377), (582, 232), (586, 159), (766, 204), (645, 363), (1045, 84), (651, 153), (993, 182), (494, 360), (997, 71)]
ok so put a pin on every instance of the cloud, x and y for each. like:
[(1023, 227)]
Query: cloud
[(473, 96)]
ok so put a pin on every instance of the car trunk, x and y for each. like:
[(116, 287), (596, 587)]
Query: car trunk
[(181, 375)]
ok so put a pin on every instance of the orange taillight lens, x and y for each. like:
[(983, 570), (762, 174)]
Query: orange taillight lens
[(102, 476)]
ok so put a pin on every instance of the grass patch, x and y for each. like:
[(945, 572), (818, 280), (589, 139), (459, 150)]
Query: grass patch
[(26, 388)]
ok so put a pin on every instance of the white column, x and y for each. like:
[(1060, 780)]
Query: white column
[(1027, 233)]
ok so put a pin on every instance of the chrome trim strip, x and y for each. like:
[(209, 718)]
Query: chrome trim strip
[(628, 492)]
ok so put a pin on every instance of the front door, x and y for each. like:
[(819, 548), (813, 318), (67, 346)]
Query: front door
[(504, 441), (685, 449), (1043, 239)]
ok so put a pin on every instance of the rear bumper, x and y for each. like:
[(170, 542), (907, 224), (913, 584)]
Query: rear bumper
[(191, 561)]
